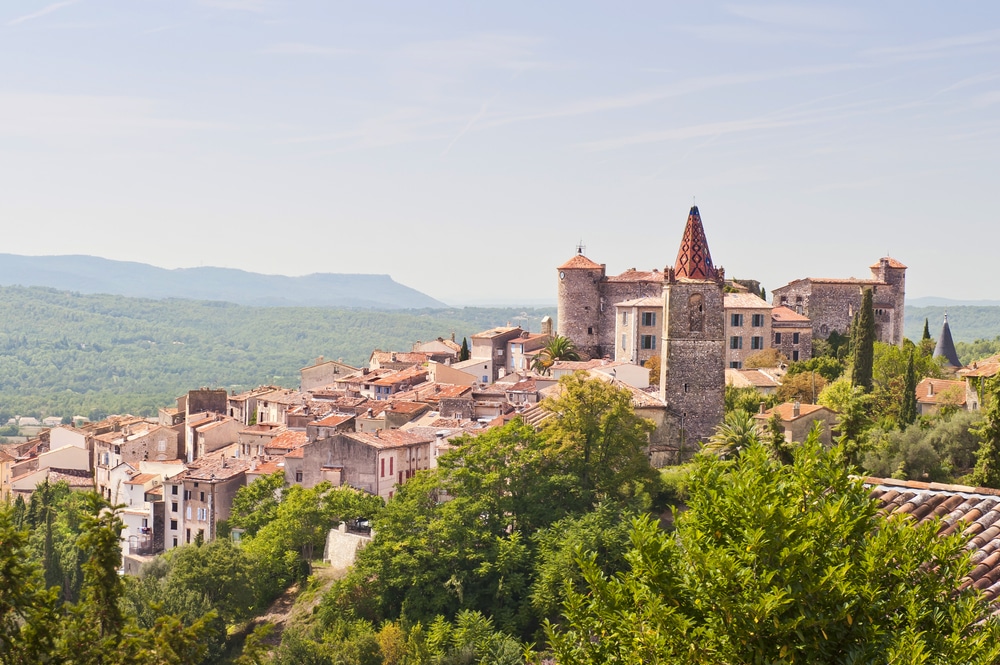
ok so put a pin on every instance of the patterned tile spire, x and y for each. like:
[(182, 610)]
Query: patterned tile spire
[(694, 261)]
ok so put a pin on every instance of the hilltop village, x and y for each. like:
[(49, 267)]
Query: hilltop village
[(373, 428)]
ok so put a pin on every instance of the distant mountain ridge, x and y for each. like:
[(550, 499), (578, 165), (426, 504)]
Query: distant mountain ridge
[(95, 275)]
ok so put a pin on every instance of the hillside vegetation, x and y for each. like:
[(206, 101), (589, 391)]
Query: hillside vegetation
[(968, 323), (65, 353)]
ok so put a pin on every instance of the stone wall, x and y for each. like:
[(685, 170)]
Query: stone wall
[(342, 547), (692, 380)]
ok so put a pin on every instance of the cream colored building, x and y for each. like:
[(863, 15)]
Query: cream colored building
[(748, 327)]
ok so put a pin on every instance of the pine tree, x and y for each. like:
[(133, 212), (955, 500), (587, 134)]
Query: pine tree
[(908, 412), (863, 344)]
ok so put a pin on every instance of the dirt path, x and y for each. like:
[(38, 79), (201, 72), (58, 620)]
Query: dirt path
[(287, 605)]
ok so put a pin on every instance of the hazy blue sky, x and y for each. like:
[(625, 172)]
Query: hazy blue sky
[(466, 148)]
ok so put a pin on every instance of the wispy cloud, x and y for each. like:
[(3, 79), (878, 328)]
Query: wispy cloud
[(48, 9), (469, 125), (295, 48), (943, 47), (817, 17), (255, 6)]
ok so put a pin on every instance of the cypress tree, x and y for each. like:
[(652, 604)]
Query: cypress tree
[(863, 344), (464, 355), (908, 412), (927, 330)]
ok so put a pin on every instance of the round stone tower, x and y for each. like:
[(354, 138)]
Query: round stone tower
[(579, 302)]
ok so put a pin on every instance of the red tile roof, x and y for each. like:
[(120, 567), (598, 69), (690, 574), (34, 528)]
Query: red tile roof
[(783, 314), (694, 261), (633, 275), (985, 367), (893, 263), (580, 262), (785, 411), (289, 440), (929, 391)]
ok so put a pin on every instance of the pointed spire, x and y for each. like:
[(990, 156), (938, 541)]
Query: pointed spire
[(694, 261), (945, 346)]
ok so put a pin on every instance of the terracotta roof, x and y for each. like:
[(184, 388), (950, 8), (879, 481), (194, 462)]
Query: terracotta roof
[(754, 377), (388, 438), (580, 262), (972, 511), (694, 261), (744, 301), (585, 364), (783, 314), (298, 453), (985, 367), (893, 263), (785, 411), (633, 275), (400, 376), (495, 332), (213, 467), (289, 440), (268, 467), (333, 420), (400, 357), (401, 406), (846, 280), (141, 479), (929, 391)]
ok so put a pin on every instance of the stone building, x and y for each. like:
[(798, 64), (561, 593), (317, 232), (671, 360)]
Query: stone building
[(748, 327), (791, 334), (831, 303), (681, 316)]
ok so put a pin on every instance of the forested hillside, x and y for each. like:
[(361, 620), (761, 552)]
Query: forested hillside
[(968, 323), (65, 354)]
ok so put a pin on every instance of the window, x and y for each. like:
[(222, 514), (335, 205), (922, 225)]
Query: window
[(777, 338), (649, 318), (298, 476), (499, 352), (383, 468), (175, 541), (624, 318), (623, 342), (187, 495), (187, 535), (795, 355), (647, 342), (736, 320), (173, 490), (161, 445), (391, 459), (202, 514), (734, 364), (173, 526), (735, 342), (173, 506), (795, 338), (202, 496), (188, 512), (757, 320), (757, 343), (590, 330)]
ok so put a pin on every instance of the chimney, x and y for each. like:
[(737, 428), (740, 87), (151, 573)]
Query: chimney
[(762, 407), (453, 335), (796, 408)]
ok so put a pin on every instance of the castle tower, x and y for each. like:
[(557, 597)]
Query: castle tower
[(946, 346), (579, 302), (893, 273), (692, 371)]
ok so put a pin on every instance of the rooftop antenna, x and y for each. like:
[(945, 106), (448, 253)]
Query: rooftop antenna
[(580, 247)]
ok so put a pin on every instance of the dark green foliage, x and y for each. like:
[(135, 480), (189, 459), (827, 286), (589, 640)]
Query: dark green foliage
[(940, 449), (863, 344), (747, 399), (927, 330), (908, 410), (256, 504), (464, 536), (828, 367), (969, 352), (558, 348), (67, 354), (987, 471), (780, 563), (967, 322), (464, 353)]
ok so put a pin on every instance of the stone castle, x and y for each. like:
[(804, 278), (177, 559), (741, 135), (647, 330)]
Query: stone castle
[(690, 333)]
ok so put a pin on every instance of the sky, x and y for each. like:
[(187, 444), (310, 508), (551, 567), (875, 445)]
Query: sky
[(466, 149)]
